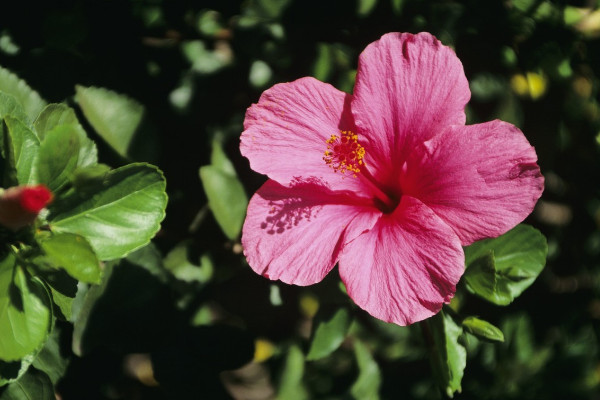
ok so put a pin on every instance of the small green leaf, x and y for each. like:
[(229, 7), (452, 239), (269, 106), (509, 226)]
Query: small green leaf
[(25, 317), (290, 384), (219, 159), (226, 199), (369, 376), (500, 269), (58, 157), (329, 334), (22, 146), (114, 116), (448, 357), (122, 214), (55, 115), (74, 254), (32, 385), (178, 263), (28, 98), (365, 7), (482, 329)]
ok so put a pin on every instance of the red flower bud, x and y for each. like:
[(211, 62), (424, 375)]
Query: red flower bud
[(20, 205)]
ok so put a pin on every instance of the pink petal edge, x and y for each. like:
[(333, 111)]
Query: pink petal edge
[(482, 180)]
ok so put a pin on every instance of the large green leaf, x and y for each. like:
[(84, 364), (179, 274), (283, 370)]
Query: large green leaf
[(54, 115), (74, 254), (114, 116), (329, 334), (21, 146), (34, 385), (25, 316), (120, 215), (448, 357), (58, 157), (369, 375), (500, 269), (29, 99)]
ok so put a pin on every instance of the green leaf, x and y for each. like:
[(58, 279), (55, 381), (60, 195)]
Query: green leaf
[(500, 269), (52, 359), (58, 157), (482, 329), (177, 262), (322, 66), (25, 317), (369, 376), (114, 116), (22, 146), (11, 371), (448, 357), (290, 384), (74, 254), (32, 385), (120, 215), (29, 99), (226, 199), (55, 115), (365, 7), (330, 333), (226, 196)]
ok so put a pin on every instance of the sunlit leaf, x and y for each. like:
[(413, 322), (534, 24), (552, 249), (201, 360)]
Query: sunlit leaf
[(13, 370), (25, 316), (120, 215), (28, 98), (58, 157), (329, 334), (448, 357), (226, 196), (74, 254), (500, 269), (54, 115), (22, 146), (290, 384), (369, 375), (178, 263), (482, 329), (114, 116)]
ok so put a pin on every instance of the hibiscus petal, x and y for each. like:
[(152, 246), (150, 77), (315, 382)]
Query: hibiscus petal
[(481, 179), (295, 234), (408, 87), (286, 132), (406, 267)]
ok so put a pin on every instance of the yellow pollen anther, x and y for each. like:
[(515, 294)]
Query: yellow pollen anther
[(344, 153)]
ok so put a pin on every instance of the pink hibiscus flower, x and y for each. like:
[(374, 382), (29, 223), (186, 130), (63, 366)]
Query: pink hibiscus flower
[(388, 182)]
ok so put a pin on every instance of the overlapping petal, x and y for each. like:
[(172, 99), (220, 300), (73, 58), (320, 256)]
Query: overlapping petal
[(406, 267), (408, 88), (286, 132), (294, 234), (482, 180)]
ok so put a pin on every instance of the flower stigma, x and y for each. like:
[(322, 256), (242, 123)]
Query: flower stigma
[(344, 153)]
